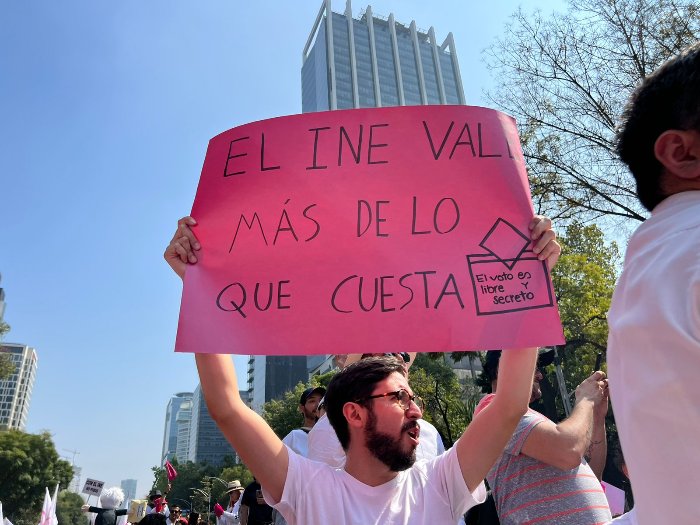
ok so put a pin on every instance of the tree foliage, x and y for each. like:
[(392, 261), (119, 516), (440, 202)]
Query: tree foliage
[(28, 464), (584, 280), (283, 414), (566, 78), (68, 509), (7, 367), (201, 476), (449, 405)]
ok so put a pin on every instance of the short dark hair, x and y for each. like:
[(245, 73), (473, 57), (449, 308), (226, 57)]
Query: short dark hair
[(356, 382), (667, 99)]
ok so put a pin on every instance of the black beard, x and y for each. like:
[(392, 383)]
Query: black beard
[(387, 449)]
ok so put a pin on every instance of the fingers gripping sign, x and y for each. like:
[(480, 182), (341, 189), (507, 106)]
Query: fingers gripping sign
[(181, 250)]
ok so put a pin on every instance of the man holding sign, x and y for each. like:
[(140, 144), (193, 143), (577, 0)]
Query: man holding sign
[(373, 410)]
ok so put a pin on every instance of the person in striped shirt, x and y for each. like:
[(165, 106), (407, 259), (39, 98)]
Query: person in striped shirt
[(550, 473)]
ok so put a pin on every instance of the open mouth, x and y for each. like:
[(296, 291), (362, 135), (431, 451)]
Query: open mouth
[(414, 433)]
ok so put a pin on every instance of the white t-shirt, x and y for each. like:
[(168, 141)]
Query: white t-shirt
[(654, 359), (429, 493), (323, 444), (298, 441)]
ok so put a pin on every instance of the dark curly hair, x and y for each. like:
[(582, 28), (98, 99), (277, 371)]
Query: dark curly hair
[(667, 99)]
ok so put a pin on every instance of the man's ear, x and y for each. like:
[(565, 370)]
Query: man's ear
[(679, 153), (354, 414)]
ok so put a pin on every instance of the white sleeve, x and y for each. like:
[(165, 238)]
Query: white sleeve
[(324, 445)]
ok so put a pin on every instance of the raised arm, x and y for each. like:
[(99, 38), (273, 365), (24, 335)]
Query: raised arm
[(565, 444), (487, 435), (252, 438), (485, 438)]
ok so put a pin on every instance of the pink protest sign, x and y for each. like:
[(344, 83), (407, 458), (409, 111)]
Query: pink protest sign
[(374, 230)]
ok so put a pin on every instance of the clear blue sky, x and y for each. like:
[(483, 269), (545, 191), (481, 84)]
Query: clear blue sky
[(106, 109)]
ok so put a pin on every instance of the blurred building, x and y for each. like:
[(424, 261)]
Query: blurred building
[(183, 420), (129, 488), (171, 431), (2, 301), (269, 377), (16, 391), (374, 61), (206, 442)]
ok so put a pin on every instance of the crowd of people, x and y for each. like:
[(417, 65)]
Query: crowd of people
[(371, 458)]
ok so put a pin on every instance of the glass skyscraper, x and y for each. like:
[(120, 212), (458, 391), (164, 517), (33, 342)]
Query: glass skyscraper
[(372, 61)]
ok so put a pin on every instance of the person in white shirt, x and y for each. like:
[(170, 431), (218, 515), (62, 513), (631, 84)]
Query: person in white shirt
[(298, 438), (231, 514), (374, 413), (654, 338)]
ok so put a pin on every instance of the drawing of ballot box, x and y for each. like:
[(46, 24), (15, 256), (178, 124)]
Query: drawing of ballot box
[(509, 285)]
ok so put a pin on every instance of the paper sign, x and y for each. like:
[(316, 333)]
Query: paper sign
[(392, 229), (616, 498), (137, 510), (93, 487)]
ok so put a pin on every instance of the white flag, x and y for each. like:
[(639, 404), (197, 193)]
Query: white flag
[(46, 509), (54, 503), (2, 519)]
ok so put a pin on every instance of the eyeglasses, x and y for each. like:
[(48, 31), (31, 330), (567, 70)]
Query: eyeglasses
[(402, 397)]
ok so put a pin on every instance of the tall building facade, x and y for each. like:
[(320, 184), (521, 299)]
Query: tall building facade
[(372, 61), (206, 442), (16, 391), (2, 301), (129, 488), (170, 433), (269, 377), (183, 421)]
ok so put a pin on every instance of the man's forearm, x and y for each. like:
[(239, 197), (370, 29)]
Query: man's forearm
[(577, 430), (597, 451)]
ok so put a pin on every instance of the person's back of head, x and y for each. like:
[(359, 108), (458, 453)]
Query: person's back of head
[(668, 99), (357, 381)]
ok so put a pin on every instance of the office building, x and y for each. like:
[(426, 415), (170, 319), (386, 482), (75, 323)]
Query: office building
[(2, 301), (269, 377), (16, 391), (129, 488), (170, 433), (206, 442), (183, 420), (373, 61)]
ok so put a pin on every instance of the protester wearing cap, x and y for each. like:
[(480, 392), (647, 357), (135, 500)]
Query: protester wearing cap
[(231, 515), (157, 503), (297, 439), (549, 473)]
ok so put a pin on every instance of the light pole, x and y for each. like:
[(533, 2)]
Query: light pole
[(211, 489), (208, 496)]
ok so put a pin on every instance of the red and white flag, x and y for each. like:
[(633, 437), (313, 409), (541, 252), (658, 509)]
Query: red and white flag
[(172, 473)]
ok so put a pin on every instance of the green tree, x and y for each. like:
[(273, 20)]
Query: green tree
[(68, 509), (449, 405), (28, 464), (189, 475), (566, 77), (584, 280), (283, 414), (7, 367), (239, 472)]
